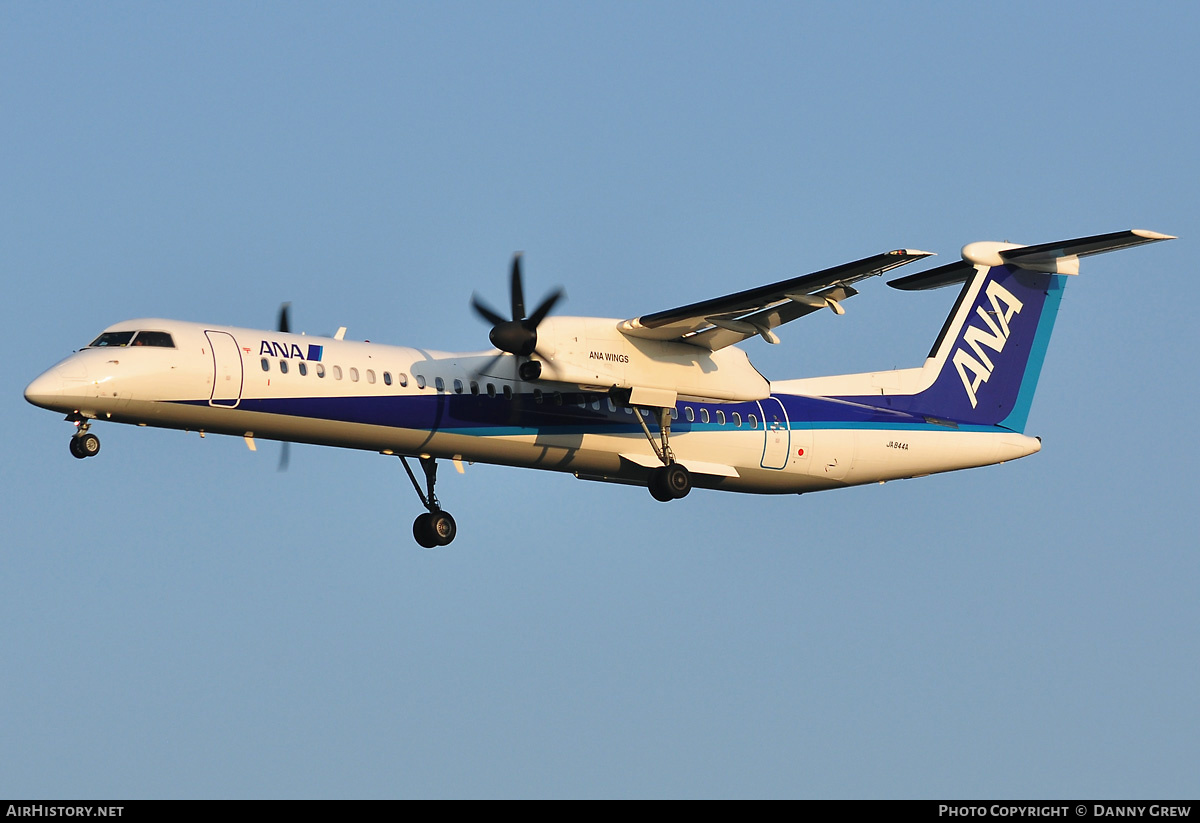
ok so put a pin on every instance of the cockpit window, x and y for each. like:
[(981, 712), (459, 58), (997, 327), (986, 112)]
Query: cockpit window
[(112, 338), (159, 339), (154, 338)]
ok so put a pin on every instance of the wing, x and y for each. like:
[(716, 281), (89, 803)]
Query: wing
[(723, 321)]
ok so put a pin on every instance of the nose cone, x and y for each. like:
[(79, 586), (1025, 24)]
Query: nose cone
[(47, 390)]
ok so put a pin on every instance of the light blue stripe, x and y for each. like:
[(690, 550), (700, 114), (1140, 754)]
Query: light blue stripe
[(830, 425), (1019, 415)]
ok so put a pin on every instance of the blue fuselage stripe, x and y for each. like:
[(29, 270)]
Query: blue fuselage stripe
[(481, 416)]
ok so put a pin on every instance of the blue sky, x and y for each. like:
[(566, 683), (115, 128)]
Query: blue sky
[(180, 620)]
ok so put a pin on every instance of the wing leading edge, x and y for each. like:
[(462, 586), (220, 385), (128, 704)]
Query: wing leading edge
[(724, 321)]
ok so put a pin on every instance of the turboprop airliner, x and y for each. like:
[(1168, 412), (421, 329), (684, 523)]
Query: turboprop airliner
[(665, 400)]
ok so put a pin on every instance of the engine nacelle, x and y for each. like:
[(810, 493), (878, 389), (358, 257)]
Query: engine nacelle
[(592, 352)]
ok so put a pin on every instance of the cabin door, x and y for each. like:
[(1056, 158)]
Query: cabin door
[(778, 442), (227, 369)]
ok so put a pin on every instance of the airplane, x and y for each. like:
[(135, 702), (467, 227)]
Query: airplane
[(664, 400)]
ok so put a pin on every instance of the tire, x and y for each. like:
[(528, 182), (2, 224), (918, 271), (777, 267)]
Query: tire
[(85, 445), (658, 486), (89, 444), (423, 532), (442, 528), (676, 480)]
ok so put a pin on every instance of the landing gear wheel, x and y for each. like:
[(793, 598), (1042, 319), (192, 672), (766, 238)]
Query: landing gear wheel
[(423, 533), (658, 489), (433, 529), (670, 482), (85, 445), (677, 480), (442, 527)]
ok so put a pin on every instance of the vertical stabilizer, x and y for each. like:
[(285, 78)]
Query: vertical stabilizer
[(985, 365)]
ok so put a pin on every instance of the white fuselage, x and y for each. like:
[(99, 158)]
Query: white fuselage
[(472, 407)]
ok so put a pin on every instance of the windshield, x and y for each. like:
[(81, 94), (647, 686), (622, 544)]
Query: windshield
[(154, 338), (159, 339), (112, 338)]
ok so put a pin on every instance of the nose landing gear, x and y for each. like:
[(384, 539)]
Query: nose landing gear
[(83, 444), (435, 527)]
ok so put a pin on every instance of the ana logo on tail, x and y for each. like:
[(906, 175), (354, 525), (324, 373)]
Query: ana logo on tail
[(1004, 306)]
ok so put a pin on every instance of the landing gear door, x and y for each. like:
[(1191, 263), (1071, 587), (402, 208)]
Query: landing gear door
[(778, 438), (227, 369)]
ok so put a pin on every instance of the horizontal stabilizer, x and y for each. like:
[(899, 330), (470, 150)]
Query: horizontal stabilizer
[(1061, 257), (1029, 256), (948, 275)]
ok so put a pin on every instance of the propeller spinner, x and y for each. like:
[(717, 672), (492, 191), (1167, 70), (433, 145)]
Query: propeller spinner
[(519, 335)]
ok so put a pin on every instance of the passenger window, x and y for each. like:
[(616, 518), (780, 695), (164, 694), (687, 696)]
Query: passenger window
[(283, 367), (558, 398), (690, 414), (674, 413), (387, 378), (337, 372), (266, 364), (537, 396), (420, 381), (474, 387), (439, 383), (370, 376), (720, 418), (507, 392), (612, 407), (737, 420), (491, 390), (353, 374), (704, 415), (752, 420), (458, 386), (303, 367), (320, 370), (404, 379)]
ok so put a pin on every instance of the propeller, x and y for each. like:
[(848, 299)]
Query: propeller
[(517, 336), (285, 447)]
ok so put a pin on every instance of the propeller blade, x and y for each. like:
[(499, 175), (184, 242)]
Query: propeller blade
[(487, 367), (485, 311), (284, 325), (285, 456), (518, 293), (539, 314), (519, 335)]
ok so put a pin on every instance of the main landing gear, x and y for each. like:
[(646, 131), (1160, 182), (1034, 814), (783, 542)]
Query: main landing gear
[(435, 527), (671, 480), (84, 444)]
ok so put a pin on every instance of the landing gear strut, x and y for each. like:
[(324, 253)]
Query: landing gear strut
[(84, 444), (670, 481), (435, 527)]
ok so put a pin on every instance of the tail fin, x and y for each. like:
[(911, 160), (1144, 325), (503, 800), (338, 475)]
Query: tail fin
[(984, 367)]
